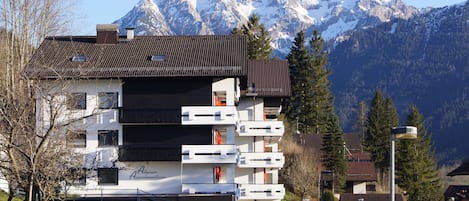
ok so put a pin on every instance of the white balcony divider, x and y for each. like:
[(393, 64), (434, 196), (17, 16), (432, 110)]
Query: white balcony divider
[(208, 188), (261, 160), (209, 154), (208, 115), (261, 191), (261, 128)]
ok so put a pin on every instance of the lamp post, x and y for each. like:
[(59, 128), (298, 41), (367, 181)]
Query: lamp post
[(323, 181), (402, 132)]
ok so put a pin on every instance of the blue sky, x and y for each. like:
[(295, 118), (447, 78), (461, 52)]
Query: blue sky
[(92, 12)]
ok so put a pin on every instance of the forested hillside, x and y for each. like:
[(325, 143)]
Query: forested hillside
[(422, 61)]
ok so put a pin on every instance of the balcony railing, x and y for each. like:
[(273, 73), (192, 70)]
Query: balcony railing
[(208, 115), (261, 160), (149, 152), (261, 128), (149, 115), (208, 154), (261, 192), (209, 188)]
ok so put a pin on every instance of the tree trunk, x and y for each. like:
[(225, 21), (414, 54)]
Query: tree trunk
[(10, 193)]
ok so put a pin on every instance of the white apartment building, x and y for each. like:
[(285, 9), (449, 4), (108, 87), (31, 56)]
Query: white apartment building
[(168, 117)]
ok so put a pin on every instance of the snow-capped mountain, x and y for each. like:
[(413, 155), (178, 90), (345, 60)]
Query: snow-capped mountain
[(283, 18)]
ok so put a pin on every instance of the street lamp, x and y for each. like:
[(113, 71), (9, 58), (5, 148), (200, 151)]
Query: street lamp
[(402, 132)]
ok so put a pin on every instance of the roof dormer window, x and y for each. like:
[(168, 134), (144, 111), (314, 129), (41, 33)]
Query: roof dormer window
[(79, 58), (157, 58)]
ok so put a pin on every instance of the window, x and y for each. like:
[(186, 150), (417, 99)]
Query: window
[(107, 100), (77, 138), (107, 138), (157, 58), (79, 58), (76, 101), (109, 176)]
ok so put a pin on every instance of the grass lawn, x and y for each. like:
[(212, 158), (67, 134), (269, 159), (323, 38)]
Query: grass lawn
[(4, 197)]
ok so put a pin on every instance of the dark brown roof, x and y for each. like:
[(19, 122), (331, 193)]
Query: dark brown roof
[(271, 77), (207, 56), (361, 171), (459, 192), (359, 156), (463, 169), (368, 197), (352, 141)]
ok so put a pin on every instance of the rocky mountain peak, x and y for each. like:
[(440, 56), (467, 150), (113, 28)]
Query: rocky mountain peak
[(283, 18)]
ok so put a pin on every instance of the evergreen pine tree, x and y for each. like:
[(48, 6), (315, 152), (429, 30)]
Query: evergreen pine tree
[(311, 102), (258, 38), (374, 125), (298, 59), (381, 118), (333, 147), (416, 164), (323, 102)]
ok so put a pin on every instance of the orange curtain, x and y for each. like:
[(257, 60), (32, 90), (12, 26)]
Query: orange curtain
[(218, 174), (218, 138), (218, 101)]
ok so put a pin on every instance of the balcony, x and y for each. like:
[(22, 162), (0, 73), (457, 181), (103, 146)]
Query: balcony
[(261, 128), (149, 115), (149, 152), (208, 154), (208, 115), (209, 188), (261, 160), (261, 192)]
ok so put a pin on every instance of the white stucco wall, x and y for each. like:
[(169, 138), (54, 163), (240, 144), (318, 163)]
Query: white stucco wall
[(359, 188), (246, 107), (227, 85), (3, 184)]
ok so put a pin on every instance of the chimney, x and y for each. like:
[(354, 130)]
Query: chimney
[(107, 33), (130, 33)]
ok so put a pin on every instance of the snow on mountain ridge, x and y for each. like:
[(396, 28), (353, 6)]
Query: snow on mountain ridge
[(282, 18)]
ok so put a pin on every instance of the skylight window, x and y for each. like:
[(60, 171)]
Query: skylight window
[(158, 58), (79, 58)]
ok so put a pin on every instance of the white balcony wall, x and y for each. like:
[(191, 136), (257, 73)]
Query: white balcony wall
[(227, 85), (208, 188), (261, 192), (246, 107), (261, 160), (208, 115), (209, 154), (261, 128)]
